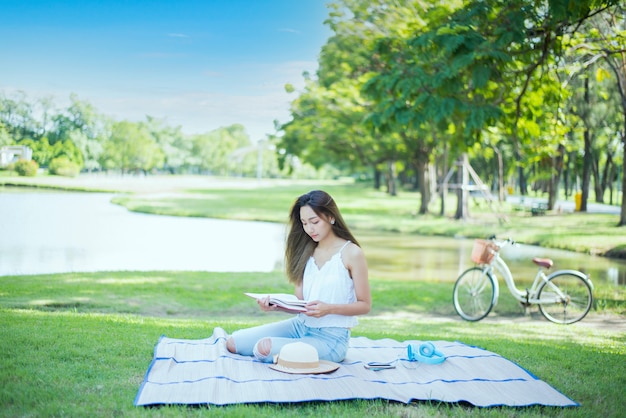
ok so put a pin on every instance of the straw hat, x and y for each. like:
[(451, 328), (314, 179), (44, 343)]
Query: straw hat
[(302, 358)]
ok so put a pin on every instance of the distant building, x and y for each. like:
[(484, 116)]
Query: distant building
[(11, 153)]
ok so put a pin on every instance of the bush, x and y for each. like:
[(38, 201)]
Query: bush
[(27, 168), (62, 166)]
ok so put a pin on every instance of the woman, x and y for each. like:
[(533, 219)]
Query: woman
[(328, 268)]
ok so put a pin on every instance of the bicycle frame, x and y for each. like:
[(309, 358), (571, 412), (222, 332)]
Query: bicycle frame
[(528, 296)]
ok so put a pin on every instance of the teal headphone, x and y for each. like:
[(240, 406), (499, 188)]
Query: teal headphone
[(427, 353)]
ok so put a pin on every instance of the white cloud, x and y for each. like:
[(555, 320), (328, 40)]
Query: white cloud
[(289, 30), (256, 106), (202, 112)]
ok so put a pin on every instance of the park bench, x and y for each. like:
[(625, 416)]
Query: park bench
[(538, 209)]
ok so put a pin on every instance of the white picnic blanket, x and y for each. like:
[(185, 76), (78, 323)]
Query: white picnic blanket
[(204, 372)]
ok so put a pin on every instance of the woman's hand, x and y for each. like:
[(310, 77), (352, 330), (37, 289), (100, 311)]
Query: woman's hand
[(264, 303), (317, 309)]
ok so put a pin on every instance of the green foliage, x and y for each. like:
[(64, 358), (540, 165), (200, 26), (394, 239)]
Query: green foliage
[(455, 69), (328, 129), (26, 168), (5, 138), (68, 150), (575, 10), (16, 115), (62, 166), (131, 148), (176, 149), (42, 151), (94, 142), (223, 151)]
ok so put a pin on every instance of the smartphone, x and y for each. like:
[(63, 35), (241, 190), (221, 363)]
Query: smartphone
[(379, 366)]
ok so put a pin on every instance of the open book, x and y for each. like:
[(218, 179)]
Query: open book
[(283, 301)]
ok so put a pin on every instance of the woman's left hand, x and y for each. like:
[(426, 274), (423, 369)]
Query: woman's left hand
[(264, 303), (317, 309)]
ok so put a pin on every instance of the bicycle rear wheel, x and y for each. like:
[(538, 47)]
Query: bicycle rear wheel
[(474, 294), (565, 298)]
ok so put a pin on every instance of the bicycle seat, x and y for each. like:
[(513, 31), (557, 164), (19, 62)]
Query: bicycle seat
[(543, 262)]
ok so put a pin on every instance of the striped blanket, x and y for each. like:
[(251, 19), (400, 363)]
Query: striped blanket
[(204, 372)]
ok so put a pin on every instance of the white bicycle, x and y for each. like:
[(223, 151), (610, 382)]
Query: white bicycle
[(563, 297)]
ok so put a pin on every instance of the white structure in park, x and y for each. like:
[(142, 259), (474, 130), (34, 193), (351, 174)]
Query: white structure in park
[(12, 153)]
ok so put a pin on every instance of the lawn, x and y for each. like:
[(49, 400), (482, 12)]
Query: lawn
[(79, 344)]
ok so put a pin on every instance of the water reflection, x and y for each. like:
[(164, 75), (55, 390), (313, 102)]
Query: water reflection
[(442, 259), (51, 232)]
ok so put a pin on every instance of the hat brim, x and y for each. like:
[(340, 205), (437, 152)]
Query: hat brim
[(324, 367)]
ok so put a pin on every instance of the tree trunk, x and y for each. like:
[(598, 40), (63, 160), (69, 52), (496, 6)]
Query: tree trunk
[(611, 179), (597, 180), (462, 211), (501, 195), (391, 178), (587, 153), (622, 218), (555, 178), (566, 176), (521, 176), (444, 173), (377, 178), (607, 178), (431, 170), (586, 171), (422, 167)]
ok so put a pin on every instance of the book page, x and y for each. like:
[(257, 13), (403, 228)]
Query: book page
[(284, 301)]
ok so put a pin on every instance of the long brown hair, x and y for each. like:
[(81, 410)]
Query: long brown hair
[(300, 246)]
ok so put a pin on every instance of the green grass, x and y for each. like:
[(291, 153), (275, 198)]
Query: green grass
[(79, 344)]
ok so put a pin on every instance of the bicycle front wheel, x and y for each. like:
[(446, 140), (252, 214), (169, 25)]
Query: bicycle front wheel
[(474, 294), (565, 298)]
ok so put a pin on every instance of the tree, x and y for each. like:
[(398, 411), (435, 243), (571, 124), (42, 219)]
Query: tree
[(607, 42), (211, 151), (327, 118), (43, 152), (85, 127), (435, 80), (176, 148), (69, 151), (131, 148), (5, 138), (327, 128), (18, 119)]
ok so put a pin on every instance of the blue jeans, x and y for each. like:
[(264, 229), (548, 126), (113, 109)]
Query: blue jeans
[(331, 343)]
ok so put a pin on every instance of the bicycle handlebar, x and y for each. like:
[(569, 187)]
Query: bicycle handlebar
[(502, 243)]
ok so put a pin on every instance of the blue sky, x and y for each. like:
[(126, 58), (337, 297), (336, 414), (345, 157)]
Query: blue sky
[(200, 64)]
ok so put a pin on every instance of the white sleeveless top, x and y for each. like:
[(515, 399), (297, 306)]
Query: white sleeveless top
[(331, 284)]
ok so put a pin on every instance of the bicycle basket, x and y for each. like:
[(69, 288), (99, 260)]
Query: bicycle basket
[(483, 251)]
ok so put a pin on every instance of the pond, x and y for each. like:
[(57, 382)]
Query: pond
[(51, 232)]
